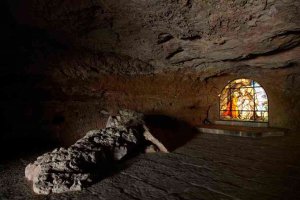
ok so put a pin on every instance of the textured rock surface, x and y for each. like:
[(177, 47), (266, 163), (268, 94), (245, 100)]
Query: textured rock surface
[(209, 167), (170, 33), (70, 169), (171, 57)]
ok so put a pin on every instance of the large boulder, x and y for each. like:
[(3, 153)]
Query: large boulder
[(70, 169)]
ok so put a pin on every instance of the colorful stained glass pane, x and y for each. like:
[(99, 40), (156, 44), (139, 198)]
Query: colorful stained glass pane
[(245, 100), (255, 84), (224, 98), (238, 83), (262, 100)]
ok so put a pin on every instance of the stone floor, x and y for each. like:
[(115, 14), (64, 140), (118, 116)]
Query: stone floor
[(207, 167)]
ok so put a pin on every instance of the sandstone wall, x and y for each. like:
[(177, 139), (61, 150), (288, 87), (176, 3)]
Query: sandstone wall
[(182, 95), (74, 63)]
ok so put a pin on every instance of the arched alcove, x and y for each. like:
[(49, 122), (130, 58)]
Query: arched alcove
[(244, 100)]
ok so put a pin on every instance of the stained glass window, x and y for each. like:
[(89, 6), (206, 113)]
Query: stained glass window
[(244, 100)]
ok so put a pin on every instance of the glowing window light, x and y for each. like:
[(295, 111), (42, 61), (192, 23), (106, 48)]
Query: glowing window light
[(244, 100)]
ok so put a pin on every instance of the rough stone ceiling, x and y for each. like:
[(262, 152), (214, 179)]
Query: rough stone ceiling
[(210, 36)]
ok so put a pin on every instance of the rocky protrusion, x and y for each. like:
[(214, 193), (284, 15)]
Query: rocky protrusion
[(164, 37), (70, 169)]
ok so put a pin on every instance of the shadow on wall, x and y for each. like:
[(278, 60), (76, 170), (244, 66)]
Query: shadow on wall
[(14, 147), (171, 132), (22, 134)]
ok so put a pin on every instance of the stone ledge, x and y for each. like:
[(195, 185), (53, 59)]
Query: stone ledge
[(242, 131), (241, 123)]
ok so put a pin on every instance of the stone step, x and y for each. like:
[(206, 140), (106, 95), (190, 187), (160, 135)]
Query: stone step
[(241, 131), (241, 123)]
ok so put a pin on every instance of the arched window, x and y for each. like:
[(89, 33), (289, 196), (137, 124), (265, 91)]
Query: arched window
[(244, 100)]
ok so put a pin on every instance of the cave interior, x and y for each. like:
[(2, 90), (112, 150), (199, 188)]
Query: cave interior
[(192, 67)]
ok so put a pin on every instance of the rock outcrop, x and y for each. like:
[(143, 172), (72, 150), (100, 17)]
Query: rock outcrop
[(70, 169)]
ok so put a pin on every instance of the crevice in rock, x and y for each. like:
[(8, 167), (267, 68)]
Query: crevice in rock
[(192, 38), (180, 49), (164, 37), (293, 42)]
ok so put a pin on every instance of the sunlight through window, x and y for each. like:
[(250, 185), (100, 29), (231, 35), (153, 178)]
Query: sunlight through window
[(244, 100)]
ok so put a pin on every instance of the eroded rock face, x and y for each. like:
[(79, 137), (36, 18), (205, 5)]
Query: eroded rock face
[(70, 169), (170, 34), (171, 57)]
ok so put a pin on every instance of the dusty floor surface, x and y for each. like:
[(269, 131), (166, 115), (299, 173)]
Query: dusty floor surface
[(207, 167)]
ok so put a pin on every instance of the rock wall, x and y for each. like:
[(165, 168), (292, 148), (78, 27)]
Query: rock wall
[(76, 62), (182, 94), (168, 33), (73, 94)]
